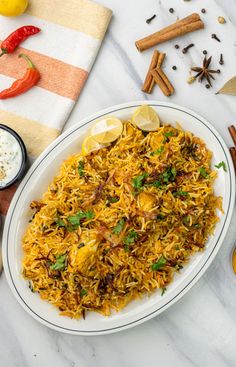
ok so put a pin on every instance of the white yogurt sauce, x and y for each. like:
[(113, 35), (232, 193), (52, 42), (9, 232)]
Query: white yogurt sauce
[(10, 157)]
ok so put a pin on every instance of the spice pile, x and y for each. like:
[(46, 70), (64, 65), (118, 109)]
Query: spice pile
[(155, 74)]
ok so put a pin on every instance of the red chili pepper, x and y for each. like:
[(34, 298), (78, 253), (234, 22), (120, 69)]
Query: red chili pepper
[(18, 36), (22, 85)]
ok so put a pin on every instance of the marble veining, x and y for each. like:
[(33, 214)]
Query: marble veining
[(200, 329)]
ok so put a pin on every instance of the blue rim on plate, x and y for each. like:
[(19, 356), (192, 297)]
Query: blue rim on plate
[(192, 281)]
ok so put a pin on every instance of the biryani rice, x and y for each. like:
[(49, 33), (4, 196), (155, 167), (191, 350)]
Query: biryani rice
[(158, 186)]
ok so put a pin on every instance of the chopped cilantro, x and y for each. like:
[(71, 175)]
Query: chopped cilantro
[(158, 151), (112, 199), (160, 216), (221, 164), (83, 292), (156, 266), (81, 168), (137, 182), (180, 193), (167, 135), (163, 290), (131, 237), (59, 222), (118, 228), (75, 219), (156, 183), (197, 225), (169, 174), (60, 264), (203, 172)]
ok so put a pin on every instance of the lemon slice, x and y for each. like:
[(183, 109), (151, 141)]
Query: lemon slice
[(89, 145), (107, 130), (146, 118)]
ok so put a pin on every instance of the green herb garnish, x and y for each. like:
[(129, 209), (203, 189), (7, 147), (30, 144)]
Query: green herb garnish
[(167, 135), (180, 193), (203, 172), (83, 292), (59, 222), (81, 168), (163, 290), (161, 262), (137, 182), (158, 151), (169, 174), (197, 225), (221, 164), (160, 217), (156, 183), (113, 199), (118, 228), (75, 219), (131, 237), (60, 264)]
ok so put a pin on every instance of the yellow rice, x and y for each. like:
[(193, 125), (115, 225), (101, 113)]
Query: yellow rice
[(171, 220)]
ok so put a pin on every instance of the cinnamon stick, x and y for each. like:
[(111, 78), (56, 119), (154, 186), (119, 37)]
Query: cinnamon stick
[(161, 59), (165, 80), (183, 26), (148, 82), (156, 61), (232, 132), (233, 155), (160, 82)]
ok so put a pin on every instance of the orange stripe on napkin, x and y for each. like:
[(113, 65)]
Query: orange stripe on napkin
[(56, 76)]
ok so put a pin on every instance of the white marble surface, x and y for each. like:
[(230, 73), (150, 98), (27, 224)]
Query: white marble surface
[(201, 328)]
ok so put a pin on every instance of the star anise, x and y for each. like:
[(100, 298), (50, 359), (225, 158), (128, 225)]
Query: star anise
[(204, 72)]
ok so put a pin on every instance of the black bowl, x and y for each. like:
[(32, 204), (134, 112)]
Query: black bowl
[(22, 168)]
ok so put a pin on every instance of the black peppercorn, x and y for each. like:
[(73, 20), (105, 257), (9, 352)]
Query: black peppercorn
[(208, 86), (177, 47), (204, 52), (203, 11), (171, 10), (174, 67)]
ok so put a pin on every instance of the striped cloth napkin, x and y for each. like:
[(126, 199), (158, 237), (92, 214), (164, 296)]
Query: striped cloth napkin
[(63, 52)]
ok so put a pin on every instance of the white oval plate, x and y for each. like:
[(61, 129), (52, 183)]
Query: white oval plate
[(36, 182)]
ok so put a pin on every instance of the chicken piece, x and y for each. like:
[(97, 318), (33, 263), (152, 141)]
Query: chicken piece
[(81, 254), (146, 201)]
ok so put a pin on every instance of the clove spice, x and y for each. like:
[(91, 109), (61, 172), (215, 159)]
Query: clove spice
[(214, 36), (221, 62), (150, 19), (185, 49)]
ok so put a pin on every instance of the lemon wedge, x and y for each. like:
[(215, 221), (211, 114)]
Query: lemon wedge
[(146, 118), (107, 130), (89, 145)]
